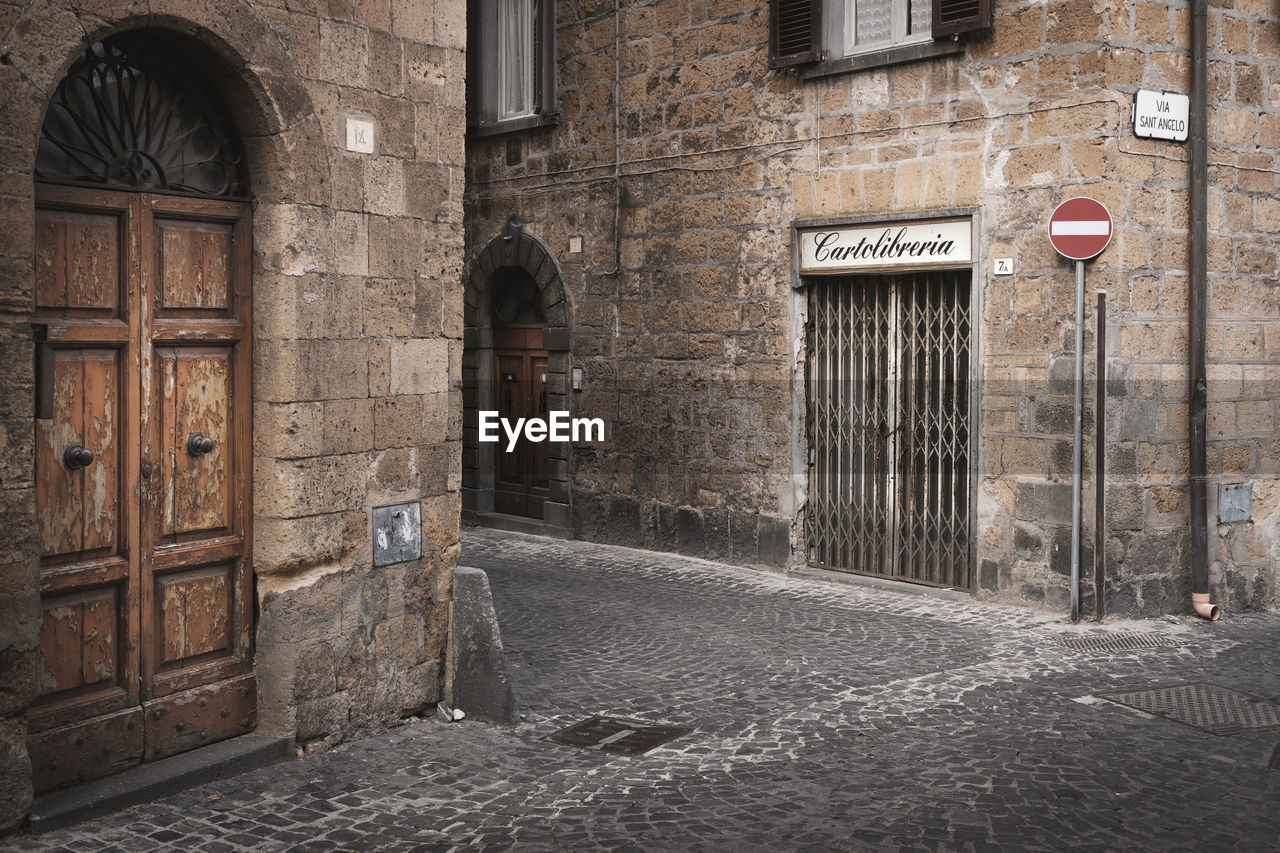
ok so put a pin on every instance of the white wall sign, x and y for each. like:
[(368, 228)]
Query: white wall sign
[(905, 245), (1160, 115), (360, 134)]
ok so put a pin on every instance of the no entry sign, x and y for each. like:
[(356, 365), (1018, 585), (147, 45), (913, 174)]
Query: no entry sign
[(1080, 228)]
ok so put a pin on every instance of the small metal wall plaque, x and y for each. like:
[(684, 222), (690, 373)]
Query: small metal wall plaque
[(1235, 502), (397, 534)]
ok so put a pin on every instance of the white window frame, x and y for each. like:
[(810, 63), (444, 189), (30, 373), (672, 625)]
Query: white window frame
[(492, 105), (844, 29), (524, 106)]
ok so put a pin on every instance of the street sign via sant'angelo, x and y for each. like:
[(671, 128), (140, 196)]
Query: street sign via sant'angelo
[(1080, 228), (1161, 115)]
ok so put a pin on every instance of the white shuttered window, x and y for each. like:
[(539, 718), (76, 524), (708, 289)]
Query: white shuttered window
[(511, 63), (515, 57)]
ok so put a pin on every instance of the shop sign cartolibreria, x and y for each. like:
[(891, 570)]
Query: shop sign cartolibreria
[(914, 245)]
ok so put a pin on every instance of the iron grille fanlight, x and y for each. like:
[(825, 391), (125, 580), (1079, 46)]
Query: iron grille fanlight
[(129, 116)]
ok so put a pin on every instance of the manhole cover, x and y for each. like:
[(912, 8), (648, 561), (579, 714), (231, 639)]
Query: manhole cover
[(611, 734), (1117, 642), (1207, 707)]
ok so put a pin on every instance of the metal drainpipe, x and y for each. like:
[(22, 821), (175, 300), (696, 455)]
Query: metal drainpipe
[(1198, 287)]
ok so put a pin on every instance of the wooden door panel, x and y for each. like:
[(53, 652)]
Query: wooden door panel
[(520, 481), (78, 261), (195, 264), (86, 750), (60, 492), (101, 478), (512, 390), (78, 509), (518, 337), (199, 716), (194, 386), (192, 614), (80, 643)]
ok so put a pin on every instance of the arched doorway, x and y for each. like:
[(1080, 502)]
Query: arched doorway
[(142, 462), (516, 361)]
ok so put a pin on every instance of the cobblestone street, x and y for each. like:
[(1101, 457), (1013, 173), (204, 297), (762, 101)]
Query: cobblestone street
[(825, 716)]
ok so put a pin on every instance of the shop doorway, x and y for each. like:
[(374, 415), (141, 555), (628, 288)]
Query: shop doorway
[(888, 404), (143, 266)]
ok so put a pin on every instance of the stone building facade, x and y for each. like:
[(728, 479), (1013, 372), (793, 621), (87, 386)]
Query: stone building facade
[(245, 374), (671, 181)]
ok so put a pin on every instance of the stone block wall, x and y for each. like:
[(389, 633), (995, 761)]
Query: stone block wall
[(1078, 148), (358, 354), (357, 340), (691, 337)]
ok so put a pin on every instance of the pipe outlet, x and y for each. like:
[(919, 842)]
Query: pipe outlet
[(1204, 608)]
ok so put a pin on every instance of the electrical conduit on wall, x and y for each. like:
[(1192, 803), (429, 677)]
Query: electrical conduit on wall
[(1196, 313)]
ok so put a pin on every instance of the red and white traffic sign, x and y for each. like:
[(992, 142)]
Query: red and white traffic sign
[(1080, 228)]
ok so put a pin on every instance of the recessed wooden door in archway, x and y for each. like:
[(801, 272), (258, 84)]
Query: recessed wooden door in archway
[(142, 427), (520, 474)]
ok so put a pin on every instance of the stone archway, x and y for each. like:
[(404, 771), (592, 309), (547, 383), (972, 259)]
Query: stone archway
[(143, 302), (276, 119), (513, 250)]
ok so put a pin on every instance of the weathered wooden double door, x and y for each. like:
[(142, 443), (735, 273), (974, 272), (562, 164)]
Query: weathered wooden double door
[(142, 478), (521, 482)]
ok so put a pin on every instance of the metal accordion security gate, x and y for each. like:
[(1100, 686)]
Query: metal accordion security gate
[(887, 385)]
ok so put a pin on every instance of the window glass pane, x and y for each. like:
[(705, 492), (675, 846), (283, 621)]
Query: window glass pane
[(515, 30), (873, 21), (921, 17)]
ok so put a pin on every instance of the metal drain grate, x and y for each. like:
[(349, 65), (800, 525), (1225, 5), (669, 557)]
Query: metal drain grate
[(612, 734), (1207, 707), (1117, 642)]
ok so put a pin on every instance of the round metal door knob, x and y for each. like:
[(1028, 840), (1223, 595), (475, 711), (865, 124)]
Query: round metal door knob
[(199, 444), (77, 456)]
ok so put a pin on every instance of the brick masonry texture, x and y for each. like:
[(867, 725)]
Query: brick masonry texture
[(358, 327), (690, 333), (824, 716)]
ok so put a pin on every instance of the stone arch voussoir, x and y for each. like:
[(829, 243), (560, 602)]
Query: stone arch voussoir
[(521, 250)]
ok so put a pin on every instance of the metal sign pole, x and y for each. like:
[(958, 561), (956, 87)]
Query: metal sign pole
[(1079, 228), (1100, 465), (1075, 452)]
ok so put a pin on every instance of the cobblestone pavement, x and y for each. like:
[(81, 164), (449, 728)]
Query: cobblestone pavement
[(825, 717)]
